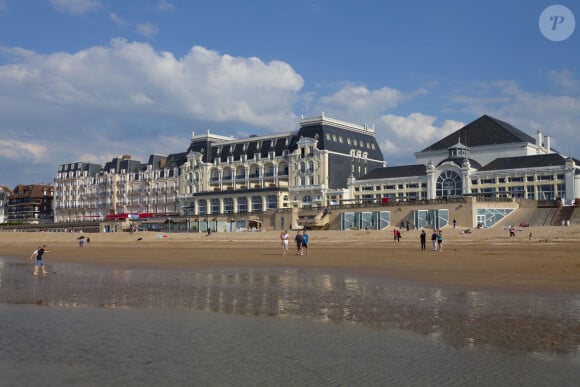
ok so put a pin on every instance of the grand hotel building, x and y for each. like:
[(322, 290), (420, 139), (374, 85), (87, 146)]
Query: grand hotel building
[(325, 163), (219, 176)]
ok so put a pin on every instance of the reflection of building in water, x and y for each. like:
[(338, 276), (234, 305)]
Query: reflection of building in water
[(462, 317)]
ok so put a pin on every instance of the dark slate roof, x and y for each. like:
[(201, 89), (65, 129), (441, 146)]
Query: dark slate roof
[(459, 162), (319, 132), (119, 163), (392, 172), (176, 160), (520, 162), (221, 149), (485, 130)]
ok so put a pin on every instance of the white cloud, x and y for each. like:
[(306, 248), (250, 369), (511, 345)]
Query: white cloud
[(147, 29), (565, 81), (19, 150), (118, 20), (359, 101), (165, 6), (401, 136), (76, 7), (556, 115), (121, 98)]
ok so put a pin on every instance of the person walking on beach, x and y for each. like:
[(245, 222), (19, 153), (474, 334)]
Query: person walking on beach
[(398, 235), (423, 238), (298, 240), (434, 240), (39, 263), (35, 252), (284, 237), (440, 240), (395, 234), (305, 238)]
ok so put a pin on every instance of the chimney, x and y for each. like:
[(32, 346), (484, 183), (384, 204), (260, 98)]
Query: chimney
[(547, 143), (538, 138)]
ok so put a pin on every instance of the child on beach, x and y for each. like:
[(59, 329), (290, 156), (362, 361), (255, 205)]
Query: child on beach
[(284, 238), (39, 262), (298, 240), (305, 242), (434, 240)]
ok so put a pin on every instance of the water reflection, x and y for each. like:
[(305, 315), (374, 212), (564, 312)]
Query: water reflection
[(513, 322)]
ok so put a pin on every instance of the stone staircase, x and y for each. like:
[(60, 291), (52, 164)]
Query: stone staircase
[(562, 215), (542, 216)]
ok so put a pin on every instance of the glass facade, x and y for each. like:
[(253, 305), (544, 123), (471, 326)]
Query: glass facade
[(487, 217), (366, 220)]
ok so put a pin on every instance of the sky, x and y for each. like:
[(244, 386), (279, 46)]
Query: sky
[(90, 80)]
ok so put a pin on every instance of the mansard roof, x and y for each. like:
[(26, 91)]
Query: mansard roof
[(395, 172), (213, 149), (520, 162), (176, 160), (485, 130), (120, 163), (320, 127), (340, 133)]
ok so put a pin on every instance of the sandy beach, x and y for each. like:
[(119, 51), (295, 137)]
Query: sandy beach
[(484, 259), (485, 288)]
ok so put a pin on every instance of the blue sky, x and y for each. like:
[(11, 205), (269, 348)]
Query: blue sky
[(89, 80)]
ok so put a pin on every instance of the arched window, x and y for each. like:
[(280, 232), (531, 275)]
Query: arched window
[(256, 203), (215, 206), (271, 201), (269, 170), (228, 205), (307, 201), (449, 183), (227, 174), (243, 204), (283, 169), (202, 207)]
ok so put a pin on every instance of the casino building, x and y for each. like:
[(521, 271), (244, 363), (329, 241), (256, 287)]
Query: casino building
[(486, 157)]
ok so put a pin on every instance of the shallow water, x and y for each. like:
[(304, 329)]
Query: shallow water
[(265, 326)]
